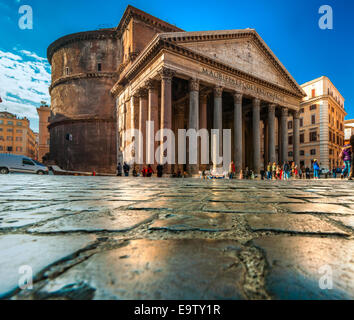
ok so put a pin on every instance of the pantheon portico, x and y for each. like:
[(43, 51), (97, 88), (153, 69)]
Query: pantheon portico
[(210, 80)]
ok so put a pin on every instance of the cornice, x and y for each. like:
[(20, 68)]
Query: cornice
[(63, 121), (132, 12), (93, 75), (80, 36)]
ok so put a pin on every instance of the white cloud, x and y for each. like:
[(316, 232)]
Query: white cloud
[(24, 82)]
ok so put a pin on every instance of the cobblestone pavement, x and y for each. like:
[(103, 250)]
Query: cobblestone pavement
[(136, 238)]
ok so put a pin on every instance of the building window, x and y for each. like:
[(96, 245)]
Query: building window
[(9, 149), (19, 149), (1, 138), (1, 121), (313, 152), (302, 138), (290, 153), (330, 151), (10, 123), (313, 119), (19, 131), (19, 124), (9, 138), (99, 67), (290, 124), (330, 136), (313, 107), (301, 122), (1, 129), (313, 136), (313, 93), (18, 138), (334, 138), (1, 148), (10, 130), (302, 152), (290, 140)]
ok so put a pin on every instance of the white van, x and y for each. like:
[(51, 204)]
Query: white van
[(15, 163)]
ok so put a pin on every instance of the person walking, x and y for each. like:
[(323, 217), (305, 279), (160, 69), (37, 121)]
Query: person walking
[(232, 170), (351, 174), (316, 169), (126, 169), (119, 170), (274, 171), (159, 169), (269, 171), (307, 173), (346, 156), (149, 172)]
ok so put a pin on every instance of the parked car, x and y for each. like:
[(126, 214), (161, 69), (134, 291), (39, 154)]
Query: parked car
[(14, 163)]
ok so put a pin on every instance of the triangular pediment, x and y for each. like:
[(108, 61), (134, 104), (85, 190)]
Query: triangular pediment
[(240, 49)]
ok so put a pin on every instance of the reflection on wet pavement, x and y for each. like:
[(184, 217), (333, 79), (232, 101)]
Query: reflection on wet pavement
[(136, 238)]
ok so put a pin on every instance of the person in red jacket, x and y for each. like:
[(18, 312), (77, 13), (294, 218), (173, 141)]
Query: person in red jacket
[(150, 172)]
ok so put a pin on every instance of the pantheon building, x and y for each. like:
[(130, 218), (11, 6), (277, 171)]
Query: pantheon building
[(108, 81)]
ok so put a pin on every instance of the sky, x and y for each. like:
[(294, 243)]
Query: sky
[(290, 29)]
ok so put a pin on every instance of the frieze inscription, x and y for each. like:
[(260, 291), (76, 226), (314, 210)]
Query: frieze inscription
[(243, 86)]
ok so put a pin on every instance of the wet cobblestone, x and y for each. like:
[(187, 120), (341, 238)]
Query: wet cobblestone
[(136, 238)]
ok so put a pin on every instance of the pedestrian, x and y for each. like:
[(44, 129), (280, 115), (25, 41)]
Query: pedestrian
[(262, 174), (307, 173), (274, 171), (232, 170), (159, 169), (316, 169), (126, 169), (351, 174), (149, 172), (119, 170), (346, 156), (334, 173), (135, 173), (144, 172), (269, 171), (278, 172)]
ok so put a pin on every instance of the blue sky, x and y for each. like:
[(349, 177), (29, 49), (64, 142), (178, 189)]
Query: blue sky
[(290, 28)]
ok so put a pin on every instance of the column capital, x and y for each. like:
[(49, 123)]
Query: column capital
[(166, 73), (284, 112), (256, 102), (193, 85), (142, 93), (237, 97), (296, 114), (271, 108), (151, 84), (218, 91)]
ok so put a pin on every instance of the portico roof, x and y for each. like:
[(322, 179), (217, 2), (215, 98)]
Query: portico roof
[(184, 43)]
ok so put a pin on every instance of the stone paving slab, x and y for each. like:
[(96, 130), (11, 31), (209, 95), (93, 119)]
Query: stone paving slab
[(114, 221), (291, 223), (296, 265), (316, 208), (238, 207), (160, 269), (348, 221), (167, 205), (201, 221), (35, 252)]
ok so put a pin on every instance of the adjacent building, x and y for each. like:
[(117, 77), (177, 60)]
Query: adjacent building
[(348, 130), (43, 135), (16, 136)]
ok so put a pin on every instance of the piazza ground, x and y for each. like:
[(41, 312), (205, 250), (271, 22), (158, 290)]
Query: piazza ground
[(140, 238)]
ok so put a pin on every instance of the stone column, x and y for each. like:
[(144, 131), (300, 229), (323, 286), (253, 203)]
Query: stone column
[(166, 106), (153, 118), (193, 119), (143, 113), (296, 138), (238, 150), (265, 142), (271, 133), (256, 136), (218, 118), (203, 123), (179, 124), (284, 133)]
